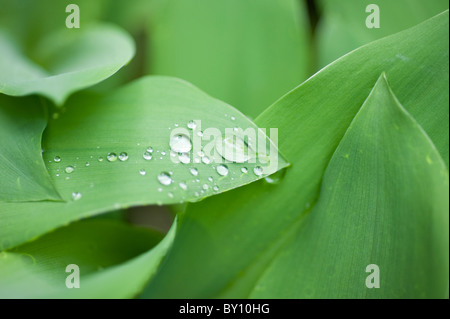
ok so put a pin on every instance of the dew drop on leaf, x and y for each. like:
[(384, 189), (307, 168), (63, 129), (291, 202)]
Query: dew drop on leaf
[(165, 179), (222, 170)]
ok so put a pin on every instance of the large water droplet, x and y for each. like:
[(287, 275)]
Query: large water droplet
[(258, 170), (165, 179), (191, 125), (194, 171), (147, 155), (76, 195), (184, 158), (123, 156), (69, 169), (222, 170), (57, 159), (206, 160), (233, 149), (111, 157), (180, 143)]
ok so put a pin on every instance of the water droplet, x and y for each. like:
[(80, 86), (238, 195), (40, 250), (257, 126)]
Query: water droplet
[(147, 155), (183, 185), (57, 175), (180, 143), (276, 177), (206, 160), (205, 187), (69, 169), (222, 170), (88, 164), (100, 159), (196, 194), (76, 195), (232, 118), (57, 159), (142, 172), (163, 153), (233, 149), (165, 179), (200, 133), (55, 116), (123, 156), (194, 171), (197, 160), (210, 179), (176, 125), (111, 157), (244, 170), (159, 189), (216, 188), (150, 149), (184, 158), (191, 125), (170, 195), (258, 171)]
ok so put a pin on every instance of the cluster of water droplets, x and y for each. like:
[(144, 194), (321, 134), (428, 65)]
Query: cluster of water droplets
[(232, 149)]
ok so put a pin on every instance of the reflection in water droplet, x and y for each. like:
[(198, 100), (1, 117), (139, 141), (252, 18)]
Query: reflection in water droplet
[(233, 149), (76, 195), (184, 158), (180, 143), (69, 169), (276, 177), (165, 179), (147, 155), (222, 170), (123, 156), (142, 172), (183, 185), (57, 159), (194, 171), (111, 157), (191, 125), (206, 160), (258, 171)]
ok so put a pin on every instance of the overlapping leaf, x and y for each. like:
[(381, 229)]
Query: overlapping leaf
[(63, 61), (234, 245), (112, 151), (343, 28), (384, 202), (24, 176), (114, 261)]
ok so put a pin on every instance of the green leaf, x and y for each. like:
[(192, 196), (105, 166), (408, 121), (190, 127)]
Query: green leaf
[(23, 173), (115, 261), (64, 61), (244, 52), (234, 244), (383, 201), (146, 113), (343, 24)]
